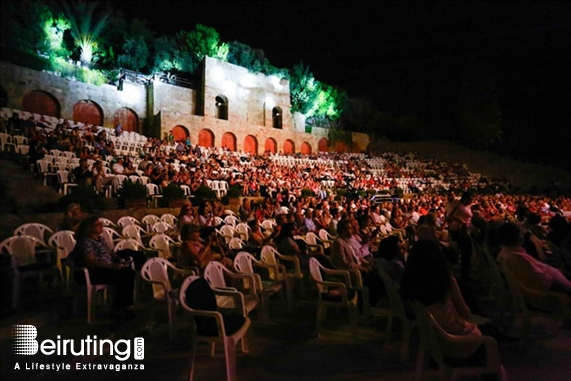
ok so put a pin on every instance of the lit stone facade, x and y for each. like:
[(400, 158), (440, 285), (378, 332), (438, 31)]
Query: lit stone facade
[(237, 109)]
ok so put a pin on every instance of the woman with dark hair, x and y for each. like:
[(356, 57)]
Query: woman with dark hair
[(427, 278), (105, 266), (391, 257), (287, 245), (197, 251)]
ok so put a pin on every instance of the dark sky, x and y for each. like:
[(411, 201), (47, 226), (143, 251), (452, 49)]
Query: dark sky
[(406, 56)]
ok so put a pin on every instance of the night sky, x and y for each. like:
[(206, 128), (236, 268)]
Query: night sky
[(406, 57)]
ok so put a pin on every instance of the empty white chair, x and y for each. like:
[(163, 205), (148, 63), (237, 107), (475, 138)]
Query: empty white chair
[(162, 243), (35, 229), (246, 263), (156, 272), (153, 192), (170, 219), (64, 242)]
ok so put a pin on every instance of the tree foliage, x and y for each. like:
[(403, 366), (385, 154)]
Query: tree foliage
[(86, 26), (201, 42), (304, 89), (136, 54), (23, 24)]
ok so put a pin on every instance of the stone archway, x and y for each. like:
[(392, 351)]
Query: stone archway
[(41, 102), (323, 145), (251, 145), (128, 118), (229, 141), (340, 147), (271, 145), (206, 138), (305, 148), (289, 146), (87, 111), (180, 132)]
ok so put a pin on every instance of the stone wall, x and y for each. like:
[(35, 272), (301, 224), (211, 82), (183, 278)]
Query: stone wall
[(251, 98)]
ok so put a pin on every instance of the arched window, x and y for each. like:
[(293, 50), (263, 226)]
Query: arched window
[(322, 145), (180, 133), (305, 148), (277, 117), (221, 107), (229, 141), (206, 138), (87, 111), (41, 102), (271, 145), (251, 145), (289, 146), (127, 118)]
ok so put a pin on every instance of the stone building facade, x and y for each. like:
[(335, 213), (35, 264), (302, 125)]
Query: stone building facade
[(233, 108)]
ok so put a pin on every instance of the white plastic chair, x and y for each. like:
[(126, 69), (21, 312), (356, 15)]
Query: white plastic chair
[(135, 232), (396, 309), (231, 220), (92, 291), (107, 222), (270, 255), (149, 220), (111, 236), (156, 272), (333, 294), (64, 242), (227, 232), (444, 348), (65, 184), (170, 219), (221, 280), (246, 263), (162, 243), (127, 220), (243, 230), (153, 192), (236, 243), (160, 227), (314, 243), (194, 285), (35, 229), (22, 249)]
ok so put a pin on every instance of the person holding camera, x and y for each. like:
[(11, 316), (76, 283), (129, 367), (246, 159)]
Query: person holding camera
[(197, 250)]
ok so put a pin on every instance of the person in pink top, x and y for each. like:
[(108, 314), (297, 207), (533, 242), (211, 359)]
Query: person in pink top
[(533, 273)]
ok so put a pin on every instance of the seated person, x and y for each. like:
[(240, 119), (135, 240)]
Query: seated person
[(196, 251), (105, 266), (256, 238), (529, 271), (390, 257), (427, 278), (72, 218), (346, 254)]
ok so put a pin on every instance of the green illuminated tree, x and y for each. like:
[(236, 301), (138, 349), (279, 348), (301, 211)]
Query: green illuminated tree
[(304, 89), (87, 27), (201, 42), (136, 54), (23, 25), (243, 55)]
